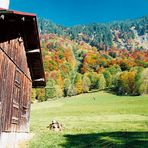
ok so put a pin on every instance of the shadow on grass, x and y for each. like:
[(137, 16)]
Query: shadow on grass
[(107, 140)]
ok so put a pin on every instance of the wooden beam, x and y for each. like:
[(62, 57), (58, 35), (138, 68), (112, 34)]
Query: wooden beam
[(39, 80), (33, 51)]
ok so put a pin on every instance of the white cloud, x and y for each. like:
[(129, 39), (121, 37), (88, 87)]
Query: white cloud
[(4, 4)]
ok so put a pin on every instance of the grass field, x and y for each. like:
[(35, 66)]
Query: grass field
[(92, 120)]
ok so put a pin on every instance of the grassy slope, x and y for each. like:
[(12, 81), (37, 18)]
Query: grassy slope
[(107, 121)]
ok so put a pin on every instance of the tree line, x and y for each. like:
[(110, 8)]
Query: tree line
[(72, 68)]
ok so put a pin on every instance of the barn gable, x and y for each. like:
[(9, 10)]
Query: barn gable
[(15, 25)]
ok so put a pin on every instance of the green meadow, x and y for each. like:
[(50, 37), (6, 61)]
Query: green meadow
[(91, 120)]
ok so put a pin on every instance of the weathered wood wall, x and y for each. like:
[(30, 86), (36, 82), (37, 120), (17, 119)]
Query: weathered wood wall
[(15, 50), (15, 87)]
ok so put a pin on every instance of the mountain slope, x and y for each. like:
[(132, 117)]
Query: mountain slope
[(74, 62), (129, 34)]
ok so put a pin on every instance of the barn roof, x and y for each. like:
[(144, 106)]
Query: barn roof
[(14, 24)]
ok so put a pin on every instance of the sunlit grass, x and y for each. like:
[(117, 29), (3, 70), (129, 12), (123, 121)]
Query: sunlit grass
[(91, 120)]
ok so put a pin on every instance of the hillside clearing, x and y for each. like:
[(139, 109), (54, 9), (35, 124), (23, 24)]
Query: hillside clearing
[(106, 121)]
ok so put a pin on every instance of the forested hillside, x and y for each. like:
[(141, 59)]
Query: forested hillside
[(129, 34), (73, 68), (93, 57)]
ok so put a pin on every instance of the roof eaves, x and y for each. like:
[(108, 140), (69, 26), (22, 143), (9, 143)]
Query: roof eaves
[(16, 12)]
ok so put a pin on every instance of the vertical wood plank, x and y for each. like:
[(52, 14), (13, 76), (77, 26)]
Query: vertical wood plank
[(15, 87)]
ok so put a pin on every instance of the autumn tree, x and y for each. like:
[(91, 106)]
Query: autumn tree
[(78, 83), (144, 84), (40, 94), (67, 84), (86, 83), (101, 83), (108, 78), (114, 69), (129, 83), (53, 90)]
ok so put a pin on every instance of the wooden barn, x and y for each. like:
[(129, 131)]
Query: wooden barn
[(21, 68)]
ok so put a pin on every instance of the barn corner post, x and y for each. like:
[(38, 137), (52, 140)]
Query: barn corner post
[(21, 68)]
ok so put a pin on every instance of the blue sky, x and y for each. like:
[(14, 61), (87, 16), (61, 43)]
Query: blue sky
[(72, 12)]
